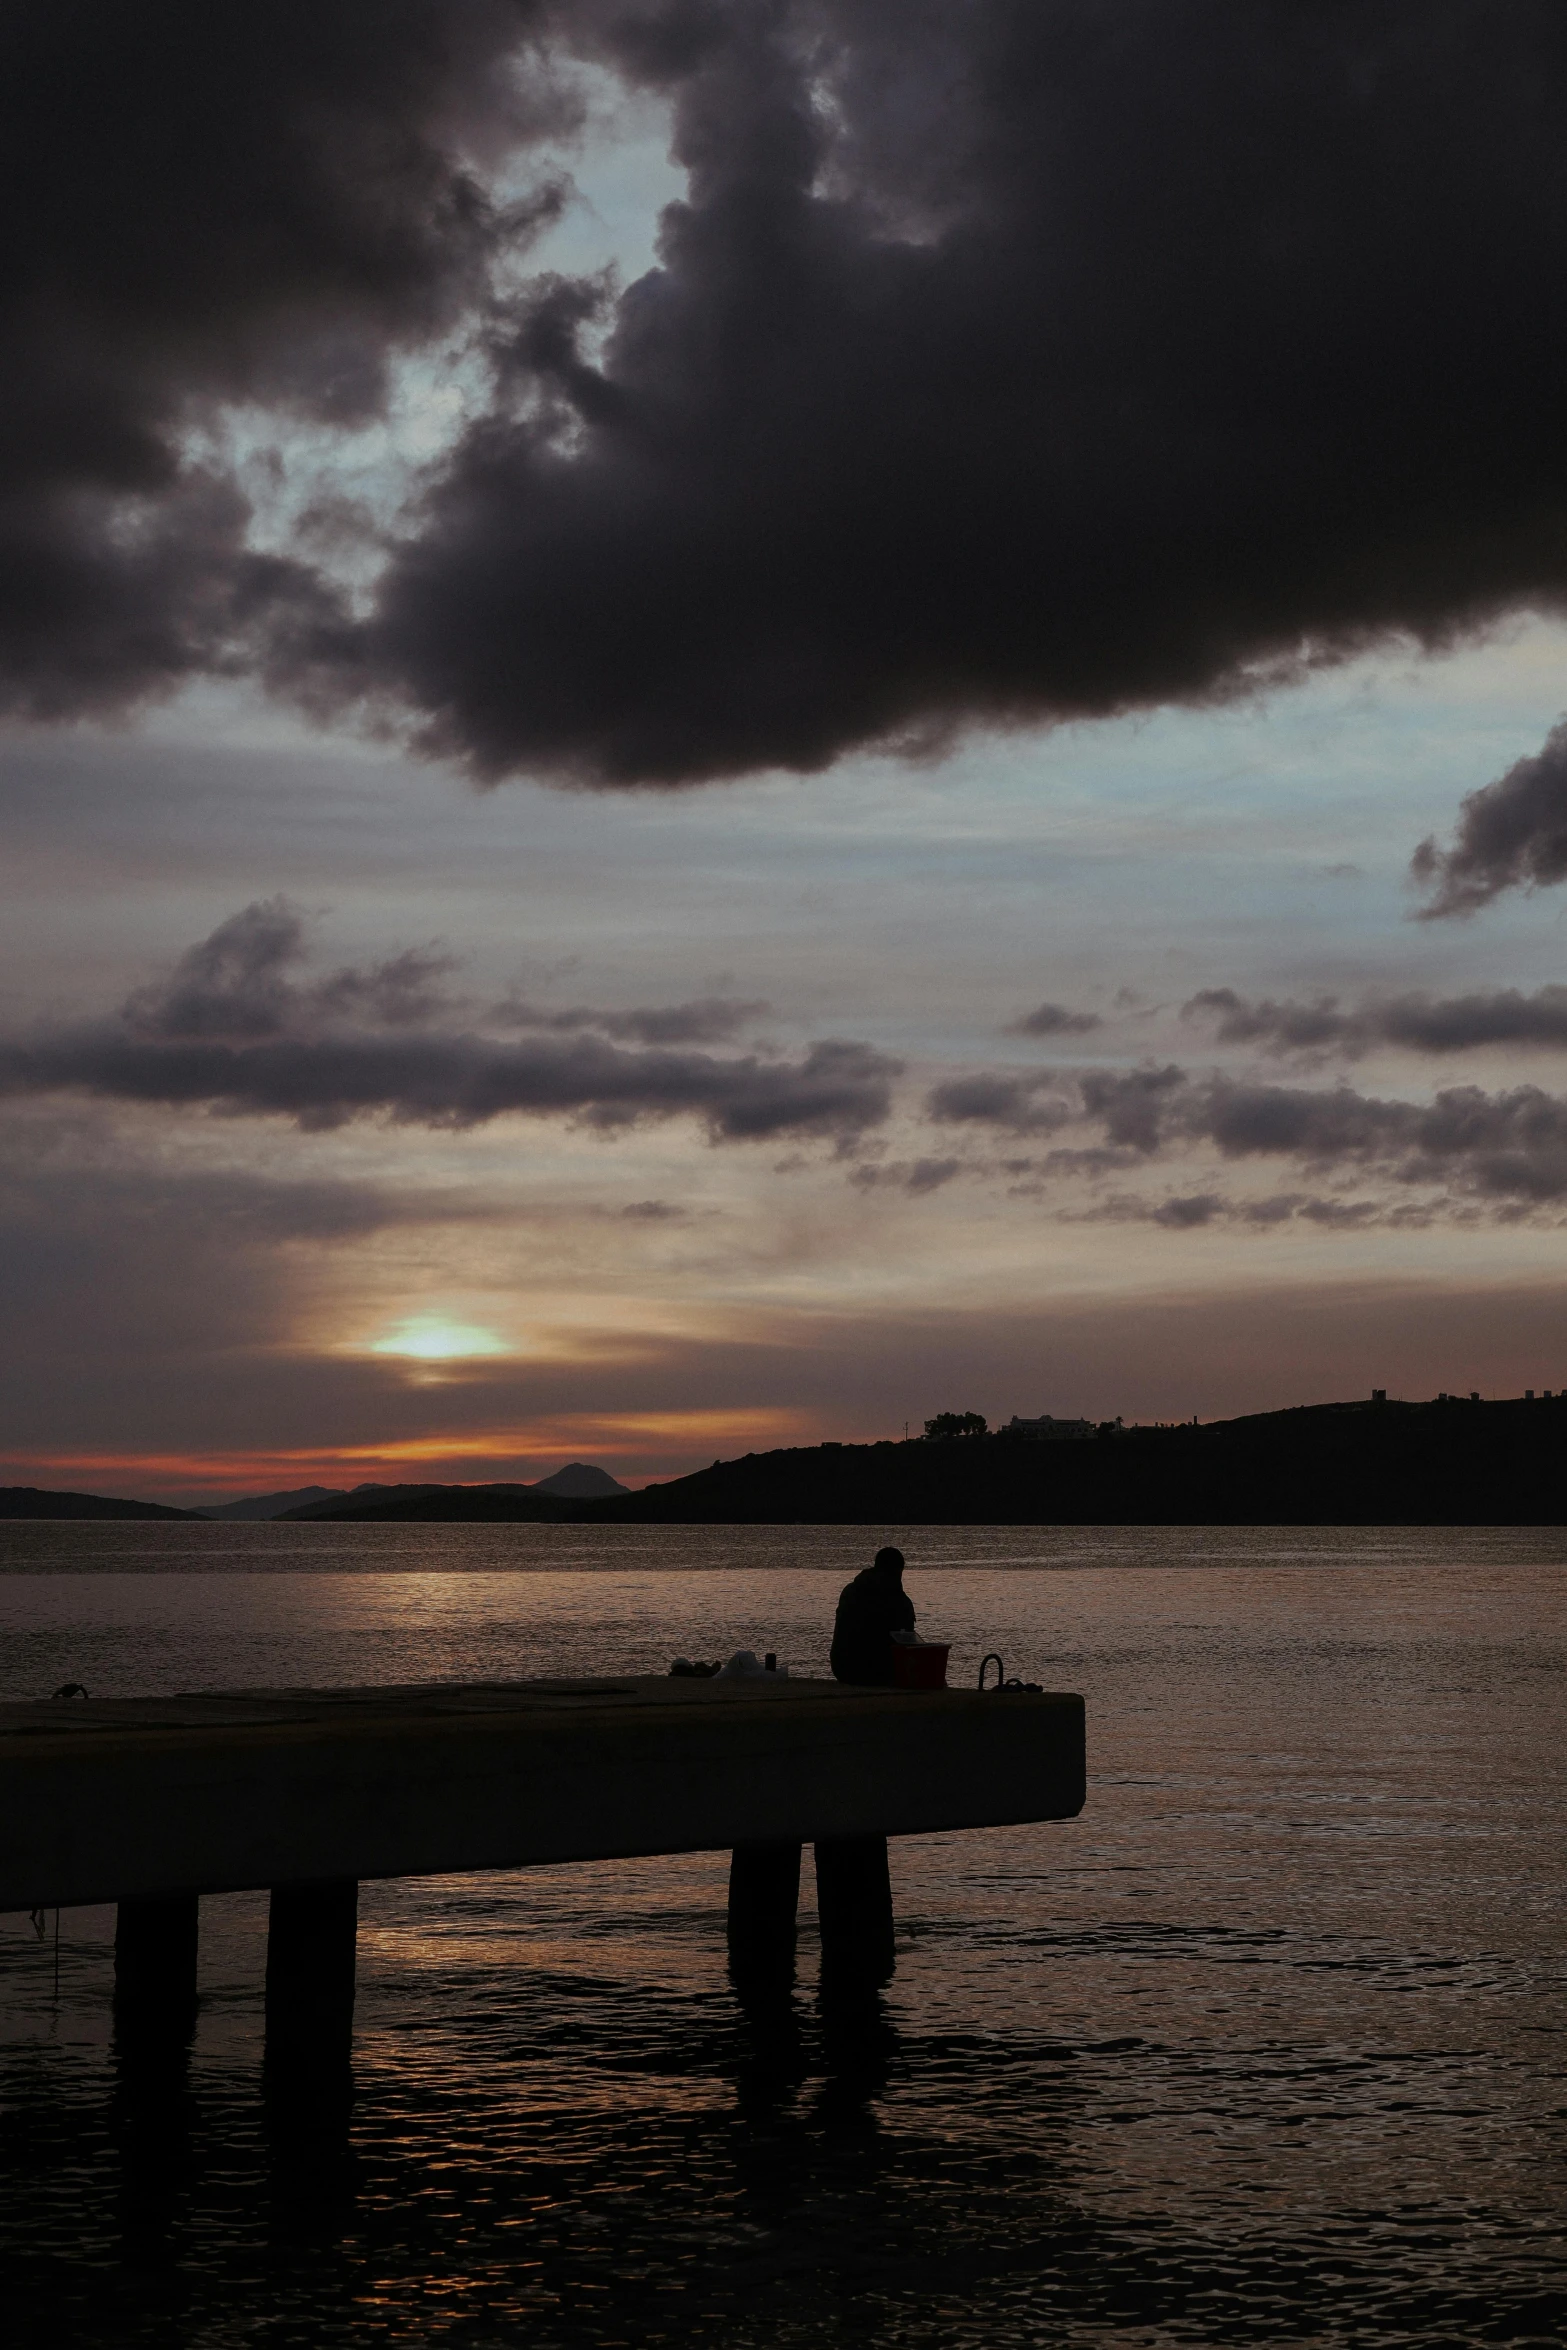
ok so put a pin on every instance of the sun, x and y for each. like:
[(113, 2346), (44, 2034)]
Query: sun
[(433, 1338)]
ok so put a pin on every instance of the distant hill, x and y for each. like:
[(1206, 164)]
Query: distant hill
[(1447, 1463), (311, 1501), (580, 1482), (31, 1501), (271, 1505), (466, 1504)]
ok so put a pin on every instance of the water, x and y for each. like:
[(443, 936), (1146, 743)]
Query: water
[(1265, 2048)]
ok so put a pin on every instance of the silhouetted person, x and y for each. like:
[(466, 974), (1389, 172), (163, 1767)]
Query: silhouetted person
[(870, 1610)]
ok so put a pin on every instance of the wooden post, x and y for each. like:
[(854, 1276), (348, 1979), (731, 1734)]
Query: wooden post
[(155, 1946), (854, 1905), (311, 1931), (764, 1894)]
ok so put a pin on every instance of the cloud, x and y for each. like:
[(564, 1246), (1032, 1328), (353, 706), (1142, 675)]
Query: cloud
[(230, 1029), (1189, 1214), (1196, 1211), (1041, 1101), (1286, 1027), (916, 1177), (209, 207), (1511, 835), (1013, 363), (1415, 1022), (1030, 1102), (236, 986), (239, 984), (1054, 1020), (1131, 1105), (705, 1020), (1504, 1144), (1002, 364), (1501, 1146)]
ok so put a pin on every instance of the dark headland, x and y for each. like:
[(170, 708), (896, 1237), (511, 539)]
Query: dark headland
[(33, 1501), (575, 1482), (1447, 1463), (1452, 1462)]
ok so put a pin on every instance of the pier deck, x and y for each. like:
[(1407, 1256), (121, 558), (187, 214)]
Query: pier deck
[(138, 1799)]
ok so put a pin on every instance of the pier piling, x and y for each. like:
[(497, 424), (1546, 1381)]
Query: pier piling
[(155, 1944), (764, 1896), (854, 1907), (311, 1935)]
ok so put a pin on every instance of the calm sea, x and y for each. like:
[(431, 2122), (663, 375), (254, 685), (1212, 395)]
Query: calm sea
[(1265, 2048)]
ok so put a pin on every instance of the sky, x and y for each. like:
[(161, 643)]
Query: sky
[(723, 725)]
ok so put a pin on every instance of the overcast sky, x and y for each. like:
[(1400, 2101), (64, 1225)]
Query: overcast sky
[(727, 724)]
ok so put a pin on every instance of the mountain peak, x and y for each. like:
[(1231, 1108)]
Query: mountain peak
[(580, 1481)]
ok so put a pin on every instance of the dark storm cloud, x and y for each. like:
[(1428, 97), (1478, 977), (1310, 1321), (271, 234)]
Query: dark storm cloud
[(1416, 1022), (204, 205), (230, 1029), (1501, 1146), (1511, 835), (1028, 360)]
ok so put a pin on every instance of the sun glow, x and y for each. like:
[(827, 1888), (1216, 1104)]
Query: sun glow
[(432, 1338)]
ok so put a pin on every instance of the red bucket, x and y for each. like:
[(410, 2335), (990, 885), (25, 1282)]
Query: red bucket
[(920, 1664)]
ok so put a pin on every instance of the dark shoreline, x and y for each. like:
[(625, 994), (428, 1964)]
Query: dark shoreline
[(1448, 1463), (1373, 1464)]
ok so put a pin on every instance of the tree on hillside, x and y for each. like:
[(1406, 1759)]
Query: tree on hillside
[(956, 1424)]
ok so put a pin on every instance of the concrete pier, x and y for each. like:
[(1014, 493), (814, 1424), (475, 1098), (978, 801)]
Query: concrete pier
[(151, 1802), (135, 1800)]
